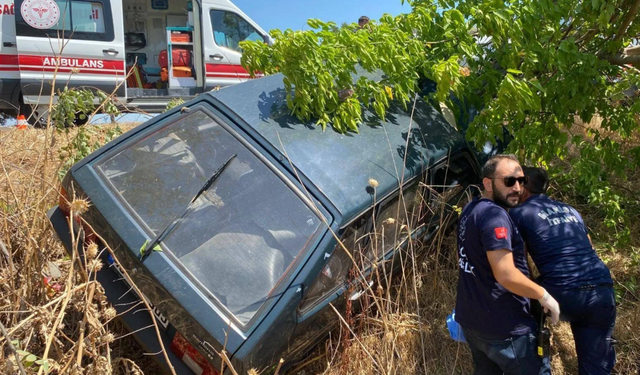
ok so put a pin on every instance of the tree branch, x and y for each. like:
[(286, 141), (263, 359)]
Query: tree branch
[(567, 31), (587, 37), (622, 59), (627, 19), (635, 50)]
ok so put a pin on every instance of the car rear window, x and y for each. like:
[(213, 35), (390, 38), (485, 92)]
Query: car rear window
[(241, 235)]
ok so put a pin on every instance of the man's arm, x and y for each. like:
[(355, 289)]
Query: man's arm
[(506, 273)]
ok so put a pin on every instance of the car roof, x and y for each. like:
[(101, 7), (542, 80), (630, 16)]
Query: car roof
[(340, 165)]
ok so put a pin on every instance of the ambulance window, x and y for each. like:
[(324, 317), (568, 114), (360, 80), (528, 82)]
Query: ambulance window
[(64, 22), (80, 19), (86, 17), (229, 30)]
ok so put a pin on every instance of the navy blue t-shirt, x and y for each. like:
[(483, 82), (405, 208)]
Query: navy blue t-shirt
[(482, 304), (556, 238)]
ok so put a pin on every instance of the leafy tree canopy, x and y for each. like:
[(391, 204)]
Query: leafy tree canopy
[(542, 69)]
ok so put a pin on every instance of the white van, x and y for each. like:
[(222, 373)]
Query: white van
[(95, 43)]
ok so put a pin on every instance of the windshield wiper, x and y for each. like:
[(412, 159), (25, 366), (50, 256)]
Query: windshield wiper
[(148, 248)]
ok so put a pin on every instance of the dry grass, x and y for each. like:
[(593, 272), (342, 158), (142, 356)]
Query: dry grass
[(402, 330), (45, 304), (427, 348)]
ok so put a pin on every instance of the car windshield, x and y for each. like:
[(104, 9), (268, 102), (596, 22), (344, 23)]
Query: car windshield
[(241, 235)]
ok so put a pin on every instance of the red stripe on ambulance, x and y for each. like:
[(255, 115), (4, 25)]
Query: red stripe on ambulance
[(8, 62), (227, 71), (70, 70), (49, 64), (69, 62)]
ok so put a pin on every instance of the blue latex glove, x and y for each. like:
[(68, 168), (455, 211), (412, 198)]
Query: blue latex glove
[(455, 331)]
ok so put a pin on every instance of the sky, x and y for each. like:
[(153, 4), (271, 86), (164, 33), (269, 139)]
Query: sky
[(293, 14)]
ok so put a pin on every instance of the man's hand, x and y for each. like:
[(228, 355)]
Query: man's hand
[(510, 277), (550, 305)]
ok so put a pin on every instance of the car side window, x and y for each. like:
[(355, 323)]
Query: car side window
[(395, 219), (77, 19), (448, 188), (336, 272), (449, 179), (229, 29)]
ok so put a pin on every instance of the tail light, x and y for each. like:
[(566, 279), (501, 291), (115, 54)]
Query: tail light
[(63, 201), (191, 356)]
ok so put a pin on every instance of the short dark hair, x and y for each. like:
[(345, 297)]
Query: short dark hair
[(363, 19), (538, 180), (490, 166)]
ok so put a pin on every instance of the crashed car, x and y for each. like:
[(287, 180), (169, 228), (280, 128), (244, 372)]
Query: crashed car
[(226, 214)]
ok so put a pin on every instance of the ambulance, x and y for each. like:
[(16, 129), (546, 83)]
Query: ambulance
[(148, 52)]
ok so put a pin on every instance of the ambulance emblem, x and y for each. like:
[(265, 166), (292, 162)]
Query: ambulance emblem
[(40, 14)]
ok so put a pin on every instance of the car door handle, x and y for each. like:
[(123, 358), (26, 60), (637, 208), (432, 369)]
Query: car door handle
[(8, 44), (111, 51), (216, 57)]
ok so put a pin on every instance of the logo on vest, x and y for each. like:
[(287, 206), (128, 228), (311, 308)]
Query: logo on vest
[(40, 14), (501, 233), (463, 262)]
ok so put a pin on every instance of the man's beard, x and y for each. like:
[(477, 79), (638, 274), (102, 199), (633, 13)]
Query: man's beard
[(501, 200)]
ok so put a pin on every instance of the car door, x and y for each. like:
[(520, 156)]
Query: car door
[(335, 285), (370, 239), (223, 30), (69, 43)]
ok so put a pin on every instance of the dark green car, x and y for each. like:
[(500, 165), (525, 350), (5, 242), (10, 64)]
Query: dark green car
[(243, 201)]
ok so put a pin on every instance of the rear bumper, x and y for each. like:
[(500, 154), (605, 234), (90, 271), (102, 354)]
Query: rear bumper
[(122, 298)]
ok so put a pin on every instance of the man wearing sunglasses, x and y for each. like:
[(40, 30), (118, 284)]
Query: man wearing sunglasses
[(492, 303), (557, 239)]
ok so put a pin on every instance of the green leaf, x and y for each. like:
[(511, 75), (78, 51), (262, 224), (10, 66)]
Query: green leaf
[(456, 15), (537, 84), (514, 71), (502, 14), (313, 23), (143, 248)]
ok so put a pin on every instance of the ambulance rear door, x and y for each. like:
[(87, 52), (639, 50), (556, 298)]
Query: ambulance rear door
[(75, 43), (224, 26)]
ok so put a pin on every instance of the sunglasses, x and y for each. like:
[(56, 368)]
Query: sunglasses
[(511, 180)]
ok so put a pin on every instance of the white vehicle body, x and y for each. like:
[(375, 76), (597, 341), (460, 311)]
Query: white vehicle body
[(49, 44)]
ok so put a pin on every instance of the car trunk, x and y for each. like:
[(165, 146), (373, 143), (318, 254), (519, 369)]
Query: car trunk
[(224, 256), (171, 313)]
